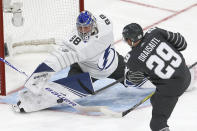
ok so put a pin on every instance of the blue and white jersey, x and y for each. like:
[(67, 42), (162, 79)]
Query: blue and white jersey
[(96, 56)]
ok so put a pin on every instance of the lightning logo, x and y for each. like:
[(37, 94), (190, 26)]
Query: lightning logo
[(107, 59)]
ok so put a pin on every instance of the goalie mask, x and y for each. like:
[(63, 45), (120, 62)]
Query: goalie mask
[(86, 25)]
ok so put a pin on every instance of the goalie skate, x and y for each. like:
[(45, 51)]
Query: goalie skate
[(16, 108)]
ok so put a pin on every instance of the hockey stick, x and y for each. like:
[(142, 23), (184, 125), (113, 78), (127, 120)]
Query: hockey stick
[(104, 109), (146, 98), (138, 104), (195, 63), (117, 81), (107, 86), (13, 67)]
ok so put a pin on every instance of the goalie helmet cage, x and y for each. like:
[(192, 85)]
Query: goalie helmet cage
[(33, 20)]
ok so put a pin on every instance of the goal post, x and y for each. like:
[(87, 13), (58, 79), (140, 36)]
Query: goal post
[(2, 65), (34, 26)]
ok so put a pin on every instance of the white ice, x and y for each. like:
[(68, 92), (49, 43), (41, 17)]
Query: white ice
[(175, 15)]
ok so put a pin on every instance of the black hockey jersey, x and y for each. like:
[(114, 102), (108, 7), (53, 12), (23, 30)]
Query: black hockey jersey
[(158, 57)]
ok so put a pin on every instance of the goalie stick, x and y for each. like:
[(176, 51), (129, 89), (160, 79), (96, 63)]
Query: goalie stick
[(13, 67), (107, 86)]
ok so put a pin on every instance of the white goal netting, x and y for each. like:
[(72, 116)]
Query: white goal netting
[(37, 20)]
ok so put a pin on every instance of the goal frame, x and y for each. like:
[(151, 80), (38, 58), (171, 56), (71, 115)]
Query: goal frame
[(2, 65)]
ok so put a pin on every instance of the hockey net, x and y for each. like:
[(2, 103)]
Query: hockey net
[(34, 26)]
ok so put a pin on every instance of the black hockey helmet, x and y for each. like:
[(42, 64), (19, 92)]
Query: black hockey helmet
[(133, 32)]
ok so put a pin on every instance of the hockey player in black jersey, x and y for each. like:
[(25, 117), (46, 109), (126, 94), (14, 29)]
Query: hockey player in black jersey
[(157, 56)]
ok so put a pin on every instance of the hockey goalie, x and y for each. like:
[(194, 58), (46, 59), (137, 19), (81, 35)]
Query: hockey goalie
[(89, 48)]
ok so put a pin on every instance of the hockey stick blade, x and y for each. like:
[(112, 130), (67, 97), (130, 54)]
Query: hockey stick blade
[(136, 105), (194, 64), (108, 112)]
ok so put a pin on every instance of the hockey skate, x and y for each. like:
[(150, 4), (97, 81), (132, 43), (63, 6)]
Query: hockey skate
[(16, 108)]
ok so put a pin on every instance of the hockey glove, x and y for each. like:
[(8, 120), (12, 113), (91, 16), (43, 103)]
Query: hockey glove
[(133, 79)]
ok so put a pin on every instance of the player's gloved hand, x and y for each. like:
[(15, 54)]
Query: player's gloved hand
[(133, 79)]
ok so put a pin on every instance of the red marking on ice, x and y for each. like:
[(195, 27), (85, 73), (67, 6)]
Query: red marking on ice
[(150, 6), (13, 91), (164, 19)]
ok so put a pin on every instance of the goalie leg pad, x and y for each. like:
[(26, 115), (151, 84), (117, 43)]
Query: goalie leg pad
[(30, 102), (48, 96)]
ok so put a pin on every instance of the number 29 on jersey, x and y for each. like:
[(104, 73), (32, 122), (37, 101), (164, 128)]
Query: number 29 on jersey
[(157, 62)]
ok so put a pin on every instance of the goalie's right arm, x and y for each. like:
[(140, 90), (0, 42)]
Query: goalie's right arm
[(61, 58)]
